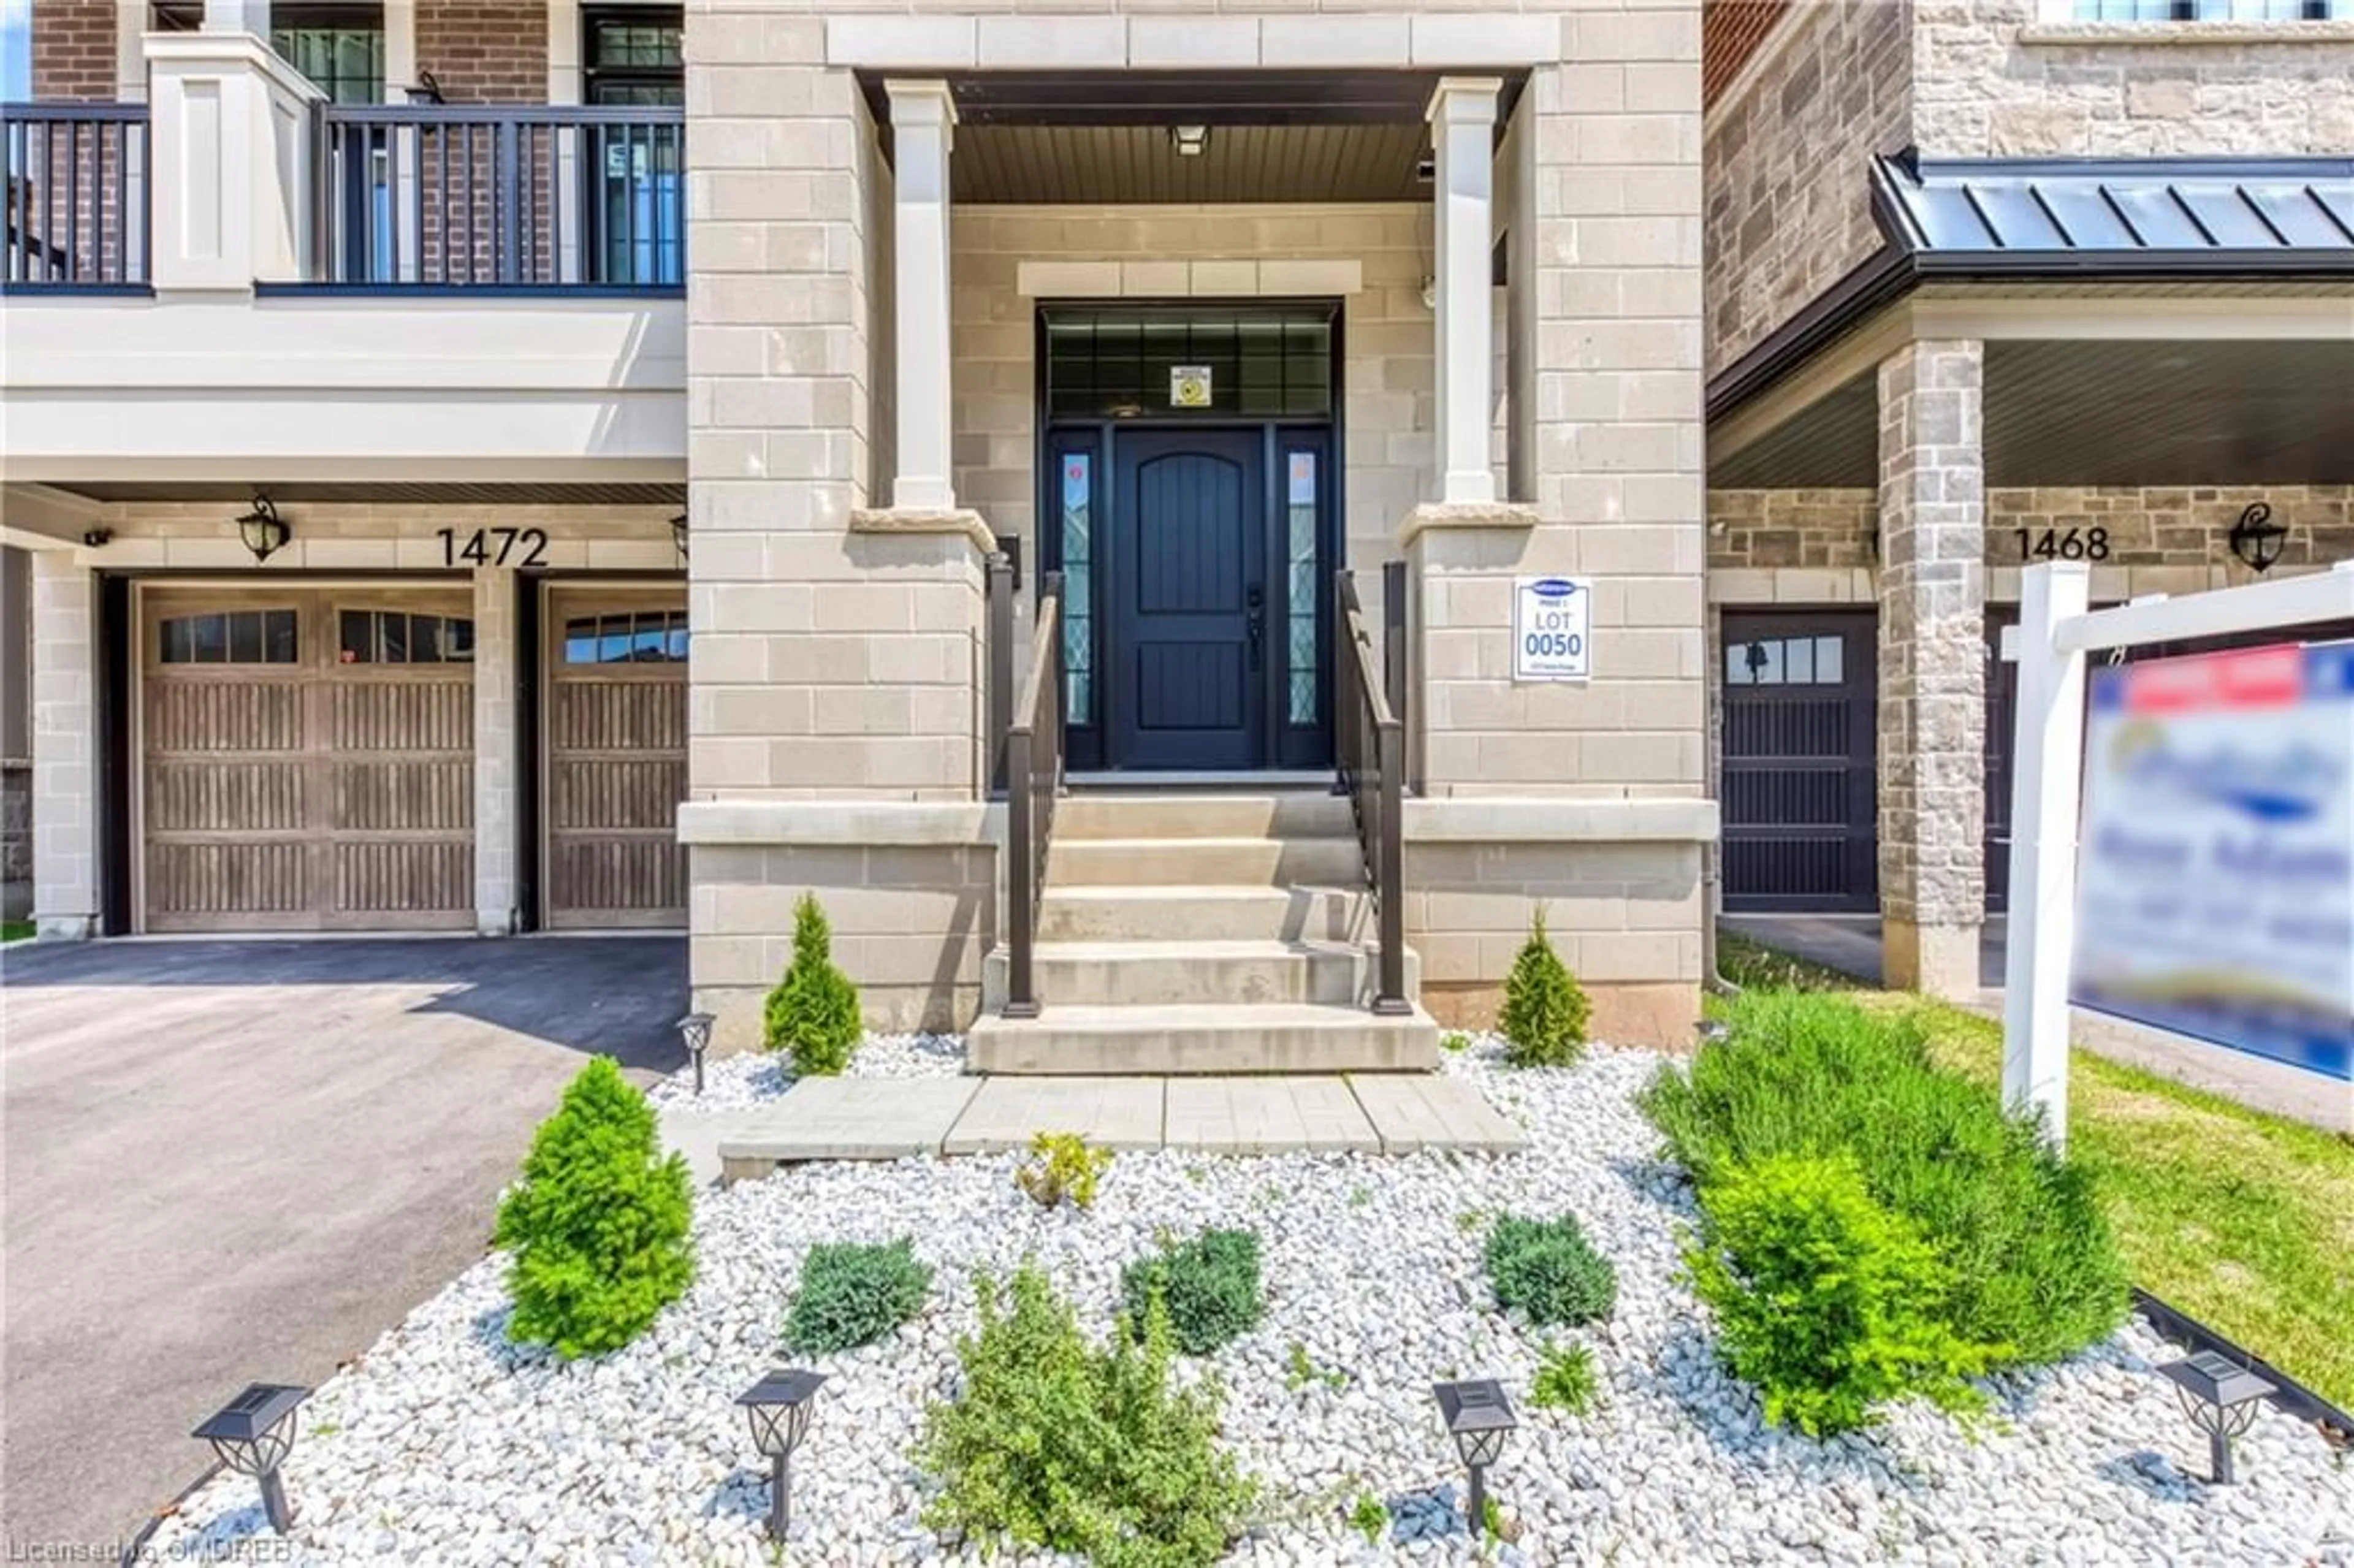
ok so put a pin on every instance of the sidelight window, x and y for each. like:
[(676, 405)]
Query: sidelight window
[(1077, 511), (1305, 584)]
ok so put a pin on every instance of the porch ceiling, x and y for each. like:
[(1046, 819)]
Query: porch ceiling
[(2121, 412)]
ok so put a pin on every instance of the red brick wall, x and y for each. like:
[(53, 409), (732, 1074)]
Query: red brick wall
[(73, 50), (1731, 32), (485, 51)]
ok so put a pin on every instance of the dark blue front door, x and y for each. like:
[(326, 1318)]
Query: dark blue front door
[(1189, 626)]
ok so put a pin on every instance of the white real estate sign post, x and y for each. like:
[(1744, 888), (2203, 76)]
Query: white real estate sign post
[(2055, 633)]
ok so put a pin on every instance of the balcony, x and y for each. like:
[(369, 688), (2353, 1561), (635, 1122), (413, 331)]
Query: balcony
[(76, 197)]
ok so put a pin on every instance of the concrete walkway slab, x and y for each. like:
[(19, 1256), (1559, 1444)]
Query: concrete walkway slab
[(1412, 1112), (848, 1118), (1268, 1116), (1109, 1113)]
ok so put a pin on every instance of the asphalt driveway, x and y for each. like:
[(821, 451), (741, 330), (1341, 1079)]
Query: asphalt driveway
[(238, 1161)]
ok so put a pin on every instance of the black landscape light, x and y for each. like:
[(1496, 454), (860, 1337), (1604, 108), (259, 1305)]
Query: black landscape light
[(252, 1434), (1478, 1418), (694, 1029), (778, 1405), (264, 532), (2220, 1396), (678, 534)]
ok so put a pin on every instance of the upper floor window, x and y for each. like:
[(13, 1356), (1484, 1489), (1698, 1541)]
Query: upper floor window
[(2209, 10), (339, 46), (633, 55)]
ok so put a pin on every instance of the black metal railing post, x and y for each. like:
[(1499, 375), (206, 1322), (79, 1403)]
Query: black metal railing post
[(1033, 781), (1000, 567), (1372, 751)]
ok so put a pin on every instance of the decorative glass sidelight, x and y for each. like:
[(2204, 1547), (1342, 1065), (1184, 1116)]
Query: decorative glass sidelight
[(1079, 597), (1299, 551)]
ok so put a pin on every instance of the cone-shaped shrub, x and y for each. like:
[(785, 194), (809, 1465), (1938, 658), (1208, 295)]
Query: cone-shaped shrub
[(599, 1226), (1544, 1019), (813, 1016)]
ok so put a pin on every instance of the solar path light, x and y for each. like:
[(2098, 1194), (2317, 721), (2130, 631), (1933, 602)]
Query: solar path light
[(1478, 1418), (2220, 1396), (694, 1029), (778, 1406), (251, 1435)]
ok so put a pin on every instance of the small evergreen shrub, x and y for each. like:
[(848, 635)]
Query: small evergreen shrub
[(1547, 1269), (1544, 1014), (1825, 1301), (813, 1016), (852, 1295), (2031, 1262), (1369, 1518), (1209, 1284), (1063, 1165), (1057, 1444), (599, 1224), (1566, 1380)]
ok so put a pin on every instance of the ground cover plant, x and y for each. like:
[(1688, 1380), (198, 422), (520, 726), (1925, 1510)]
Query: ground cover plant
[(1209, 1283), (599, 1226), (1061, 1165), (853, 1294), (1547, 1269)]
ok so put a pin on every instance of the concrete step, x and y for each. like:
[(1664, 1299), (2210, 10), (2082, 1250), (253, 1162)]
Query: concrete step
[(1206, 913), (1135, 974), (1231, 862), (1184, 814), (1265, 1037)]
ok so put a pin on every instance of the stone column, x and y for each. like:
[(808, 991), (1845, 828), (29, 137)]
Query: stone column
[(1932, 666), (65, 746), (1462, 135), (497, 757), (923, 125)]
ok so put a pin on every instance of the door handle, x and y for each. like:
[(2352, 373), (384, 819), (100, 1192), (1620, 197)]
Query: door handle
[(1255, 620)]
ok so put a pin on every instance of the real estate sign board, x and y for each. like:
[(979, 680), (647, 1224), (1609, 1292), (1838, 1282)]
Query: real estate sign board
[(2215, 886)]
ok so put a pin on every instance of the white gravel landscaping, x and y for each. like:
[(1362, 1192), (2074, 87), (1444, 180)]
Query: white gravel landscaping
[(445, 1445), (750, 1078)]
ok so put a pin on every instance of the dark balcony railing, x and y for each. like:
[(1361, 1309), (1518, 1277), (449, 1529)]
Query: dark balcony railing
[(1033, 782), (76, 197), (1371, 752), (433, 196)]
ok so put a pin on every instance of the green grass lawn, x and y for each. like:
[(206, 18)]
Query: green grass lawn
[(2243, 1220), (14, 930)]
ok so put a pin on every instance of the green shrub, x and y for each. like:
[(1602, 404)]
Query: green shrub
[(1062, 1166), (1549, 1270), (852, 1295), (599, 1224), (1544, 1013), (1566, 1380), (1210, 1285), (2030, 1263), (1059, 1444), (1369, 1518), (1825, 1301), (1455, 1040), (813, 1016)]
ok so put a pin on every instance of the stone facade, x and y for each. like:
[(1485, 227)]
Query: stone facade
[(65, 746), (1991, 81), (1932, 664), (1787, 156)]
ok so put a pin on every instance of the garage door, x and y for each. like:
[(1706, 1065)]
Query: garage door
[(308, 760), (1799, 742), (616, 758)]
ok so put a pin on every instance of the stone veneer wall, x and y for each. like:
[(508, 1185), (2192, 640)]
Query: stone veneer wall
[(1989, 80), (1786, 156)]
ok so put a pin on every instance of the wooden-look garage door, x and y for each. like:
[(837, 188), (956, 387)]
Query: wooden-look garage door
[(616, 757), (309, 759), (1801, 830)]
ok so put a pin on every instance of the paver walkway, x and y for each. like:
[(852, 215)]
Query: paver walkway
[(886, 1118)]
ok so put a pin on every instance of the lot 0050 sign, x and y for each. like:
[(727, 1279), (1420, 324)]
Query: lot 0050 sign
[(1553, 628)]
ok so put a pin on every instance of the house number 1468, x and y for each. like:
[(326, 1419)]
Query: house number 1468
[(493, 546), (2064, 545)]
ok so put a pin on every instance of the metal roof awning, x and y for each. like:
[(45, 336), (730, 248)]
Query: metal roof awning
[(2118, 217)]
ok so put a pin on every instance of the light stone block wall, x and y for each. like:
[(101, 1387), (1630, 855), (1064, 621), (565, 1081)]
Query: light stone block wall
[(404, 536), (1932, 706), (1991, 79), (1788, 157), (65, 746), (498, 754)]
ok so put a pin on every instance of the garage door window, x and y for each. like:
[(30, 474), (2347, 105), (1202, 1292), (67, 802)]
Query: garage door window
[(1785, 661), (647, 636), (231, 637), (396, 637)]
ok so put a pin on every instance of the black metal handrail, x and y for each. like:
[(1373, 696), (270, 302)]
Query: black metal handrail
[(73, 210), (1371, 745), (1033, 782), (522, 196)]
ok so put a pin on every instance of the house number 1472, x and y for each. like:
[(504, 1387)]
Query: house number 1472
[(493, 546)]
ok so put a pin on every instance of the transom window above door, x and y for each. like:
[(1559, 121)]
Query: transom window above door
[(633, 55), (1129, 362)]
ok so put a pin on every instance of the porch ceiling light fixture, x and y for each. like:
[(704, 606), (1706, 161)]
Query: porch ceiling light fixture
[(2256, 539), (252, 1434), (778, 1406), (1191, 140), (678, 534), (1478, 1418), (695, 1030), (264, 532), (2220, 1396)]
